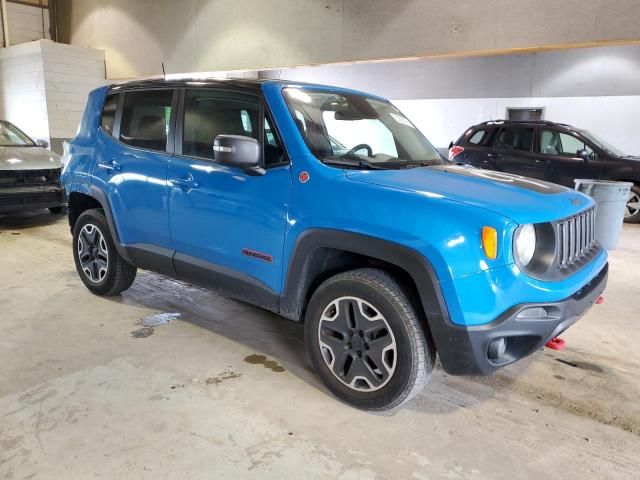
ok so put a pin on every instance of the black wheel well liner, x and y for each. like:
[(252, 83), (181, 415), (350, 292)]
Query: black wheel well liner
[(78, 203), (322, 253)]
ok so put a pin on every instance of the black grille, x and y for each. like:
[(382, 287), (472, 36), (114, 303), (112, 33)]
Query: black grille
[(18, 178), (576, 238)]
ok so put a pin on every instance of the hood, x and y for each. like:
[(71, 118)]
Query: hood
[(522, 199), (28, 158)]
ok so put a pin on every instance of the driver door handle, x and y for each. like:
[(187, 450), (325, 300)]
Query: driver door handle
[(184, 183)]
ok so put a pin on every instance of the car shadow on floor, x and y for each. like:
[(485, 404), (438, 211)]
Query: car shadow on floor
[(29, 219), (263, 332), (279, 339)]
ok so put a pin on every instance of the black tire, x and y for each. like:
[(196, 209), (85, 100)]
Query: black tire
[(350, 294), (632, 215), (115, 275), (56, 210)]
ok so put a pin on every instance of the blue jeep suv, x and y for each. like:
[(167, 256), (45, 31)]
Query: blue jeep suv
[(328, 206)]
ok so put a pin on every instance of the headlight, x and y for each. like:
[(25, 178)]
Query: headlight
[(524, 244)]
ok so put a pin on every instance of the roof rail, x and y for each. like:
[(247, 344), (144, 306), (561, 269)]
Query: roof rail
[(539, 122)]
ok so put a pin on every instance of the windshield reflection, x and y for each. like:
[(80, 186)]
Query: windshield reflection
[(349, 130)]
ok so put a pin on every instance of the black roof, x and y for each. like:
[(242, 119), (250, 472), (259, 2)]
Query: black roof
[(235, 83)]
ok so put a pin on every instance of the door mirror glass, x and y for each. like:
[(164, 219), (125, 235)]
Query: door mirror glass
[(587, 154), (238, 151)]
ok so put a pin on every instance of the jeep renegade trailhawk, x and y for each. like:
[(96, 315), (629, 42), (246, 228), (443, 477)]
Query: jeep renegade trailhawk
[(328, 206)]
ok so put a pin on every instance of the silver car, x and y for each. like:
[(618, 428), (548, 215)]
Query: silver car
[(29, 173)]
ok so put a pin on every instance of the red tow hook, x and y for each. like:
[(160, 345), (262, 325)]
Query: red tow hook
[(555, 344), (558, 343)]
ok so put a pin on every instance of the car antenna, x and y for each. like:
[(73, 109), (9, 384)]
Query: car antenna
[(164, 74)]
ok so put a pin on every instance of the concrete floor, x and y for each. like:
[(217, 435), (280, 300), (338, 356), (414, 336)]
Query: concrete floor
[(227, 390)]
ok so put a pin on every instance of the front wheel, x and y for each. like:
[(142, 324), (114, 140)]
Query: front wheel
[(632, 212), (101, 268), (366, 341)]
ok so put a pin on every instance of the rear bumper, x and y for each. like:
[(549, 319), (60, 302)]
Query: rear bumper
[(32, 199), (525, 328)]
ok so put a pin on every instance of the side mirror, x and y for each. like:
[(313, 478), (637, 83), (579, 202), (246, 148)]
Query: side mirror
[(238, 151), (586, 155), (42, 143)]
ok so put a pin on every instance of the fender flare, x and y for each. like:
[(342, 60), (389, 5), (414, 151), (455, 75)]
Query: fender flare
[(101, 197), (411, 261)]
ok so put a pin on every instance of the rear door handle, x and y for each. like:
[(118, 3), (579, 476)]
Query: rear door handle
[(538, 161), (110, 166)]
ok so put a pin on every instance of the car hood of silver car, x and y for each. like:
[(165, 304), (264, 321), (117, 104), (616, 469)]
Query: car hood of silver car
[(28, 158)]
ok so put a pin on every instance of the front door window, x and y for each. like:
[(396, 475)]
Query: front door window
[(558, 143)]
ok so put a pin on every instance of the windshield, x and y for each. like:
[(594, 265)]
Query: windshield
[(355, 131), (11, 136), (610, 149)]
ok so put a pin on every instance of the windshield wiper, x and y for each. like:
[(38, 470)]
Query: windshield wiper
[(408, 164), (353, 161)]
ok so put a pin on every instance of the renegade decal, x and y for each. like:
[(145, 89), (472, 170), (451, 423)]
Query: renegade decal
[(258, 255)]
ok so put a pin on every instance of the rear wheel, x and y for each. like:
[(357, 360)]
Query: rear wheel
[(632, 212), (101, 268), (366, 341)]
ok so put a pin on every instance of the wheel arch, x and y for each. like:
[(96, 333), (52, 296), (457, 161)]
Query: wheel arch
[(321, 253), (79, 202)]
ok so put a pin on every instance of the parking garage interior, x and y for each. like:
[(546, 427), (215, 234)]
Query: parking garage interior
[(170, 379)]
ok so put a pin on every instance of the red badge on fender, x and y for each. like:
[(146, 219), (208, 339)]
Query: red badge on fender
[(303, 177)]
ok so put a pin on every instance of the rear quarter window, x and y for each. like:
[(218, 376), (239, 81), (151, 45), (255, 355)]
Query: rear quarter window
[(109, 113), (479, 137)]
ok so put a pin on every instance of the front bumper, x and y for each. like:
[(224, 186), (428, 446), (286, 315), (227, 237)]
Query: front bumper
[(525, 328), (32, 198)]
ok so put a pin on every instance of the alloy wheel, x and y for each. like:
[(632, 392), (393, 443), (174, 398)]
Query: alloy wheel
[(357, 344), (633, 205), (93, 253)]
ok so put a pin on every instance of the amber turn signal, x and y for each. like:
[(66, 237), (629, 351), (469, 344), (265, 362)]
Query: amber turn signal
[(490, 242)]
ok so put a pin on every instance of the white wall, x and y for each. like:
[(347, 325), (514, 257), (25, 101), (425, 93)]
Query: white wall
[(615, 119), (27, 23), (594, 88), (44, 87), (70, 73), (22, 89)]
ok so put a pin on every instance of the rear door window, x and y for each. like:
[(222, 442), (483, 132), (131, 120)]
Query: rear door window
[(520, 139), (145, 119)]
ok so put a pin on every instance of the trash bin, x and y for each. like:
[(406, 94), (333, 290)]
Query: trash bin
[(611, 200)]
